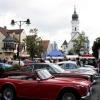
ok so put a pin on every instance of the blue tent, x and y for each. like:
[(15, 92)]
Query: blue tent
[(55, 53)]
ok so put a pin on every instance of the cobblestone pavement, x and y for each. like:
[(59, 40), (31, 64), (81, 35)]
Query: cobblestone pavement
[(96, 91)]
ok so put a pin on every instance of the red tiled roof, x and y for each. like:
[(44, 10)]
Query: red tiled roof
[(6, 31), (16, 31), (45, 44), (3, 30)]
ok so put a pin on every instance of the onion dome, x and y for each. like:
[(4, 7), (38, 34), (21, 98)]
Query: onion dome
[(75, 15)]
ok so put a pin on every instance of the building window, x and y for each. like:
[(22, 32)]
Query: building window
[(75, 28), (9, 45)]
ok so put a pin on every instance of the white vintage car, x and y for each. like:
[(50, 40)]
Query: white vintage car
[(73, 67)]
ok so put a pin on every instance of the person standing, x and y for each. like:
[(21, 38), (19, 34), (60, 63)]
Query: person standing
[(78, 62)]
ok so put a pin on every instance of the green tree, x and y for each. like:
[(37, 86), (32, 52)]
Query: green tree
[(79, 43), (96, 47), (71, 52), (34, 45)]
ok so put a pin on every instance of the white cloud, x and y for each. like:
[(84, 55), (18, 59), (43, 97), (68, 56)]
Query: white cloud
[(53, 17)]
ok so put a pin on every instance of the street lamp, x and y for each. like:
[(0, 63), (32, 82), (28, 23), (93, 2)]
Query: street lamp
[(20, 23)]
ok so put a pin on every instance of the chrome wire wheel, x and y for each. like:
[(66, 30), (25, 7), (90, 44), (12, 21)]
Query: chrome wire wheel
[(8, 94), (68, 96)]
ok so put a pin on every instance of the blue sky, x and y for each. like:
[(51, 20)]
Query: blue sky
[(53, 17)]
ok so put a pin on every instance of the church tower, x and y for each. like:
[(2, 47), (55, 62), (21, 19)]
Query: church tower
[(75, 24), (74, 33)]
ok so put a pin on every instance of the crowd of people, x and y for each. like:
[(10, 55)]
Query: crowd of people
[(80, 62)]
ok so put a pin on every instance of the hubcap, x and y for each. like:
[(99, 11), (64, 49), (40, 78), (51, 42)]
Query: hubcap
[(8, 94), (68, 96)]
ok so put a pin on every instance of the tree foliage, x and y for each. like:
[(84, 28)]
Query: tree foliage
[(34, 45), (71, 52), (79, 43), (96, 47)]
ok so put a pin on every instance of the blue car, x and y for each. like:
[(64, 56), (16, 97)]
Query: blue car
[(5, 66)]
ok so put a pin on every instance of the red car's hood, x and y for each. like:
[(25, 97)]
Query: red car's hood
[(70, 81)]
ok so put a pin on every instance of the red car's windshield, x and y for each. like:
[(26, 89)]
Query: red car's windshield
[(44, 74)]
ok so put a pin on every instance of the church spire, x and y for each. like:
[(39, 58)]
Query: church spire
[(75, 23), (74, 9), (75, 15)]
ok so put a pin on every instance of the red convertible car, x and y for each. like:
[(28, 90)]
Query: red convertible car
[(41, 85)]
